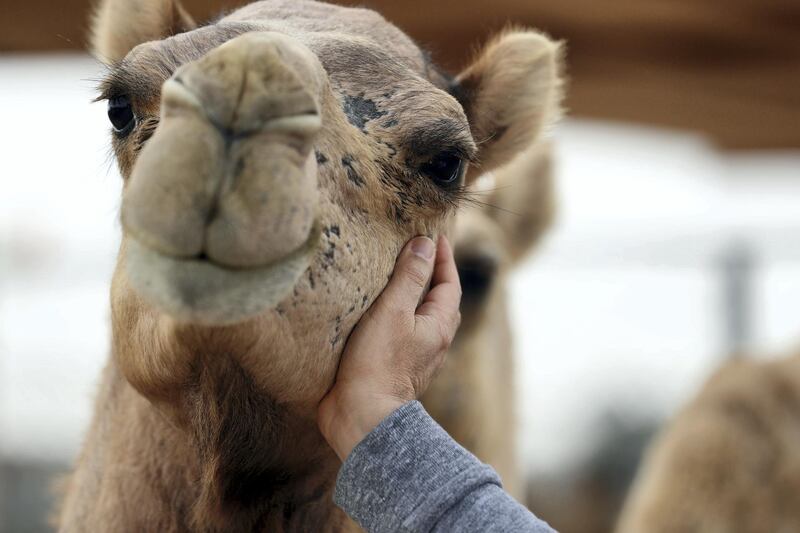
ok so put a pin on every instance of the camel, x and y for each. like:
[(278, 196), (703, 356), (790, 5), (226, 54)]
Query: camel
[(729, 461), (274, 163), (473, 398)]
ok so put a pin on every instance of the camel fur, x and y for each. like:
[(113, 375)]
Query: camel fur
[(729, 461)]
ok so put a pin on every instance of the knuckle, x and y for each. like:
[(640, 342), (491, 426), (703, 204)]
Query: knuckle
[(445, 337), (392, 307), (444, 347), (441, 359), (398, 318), (416, 274), (392, 314)]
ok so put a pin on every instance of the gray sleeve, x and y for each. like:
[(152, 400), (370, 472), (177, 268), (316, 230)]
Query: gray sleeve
[(409, 475)]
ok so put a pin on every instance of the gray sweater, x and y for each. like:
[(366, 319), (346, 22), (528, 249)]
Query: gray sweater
[(409, 475)]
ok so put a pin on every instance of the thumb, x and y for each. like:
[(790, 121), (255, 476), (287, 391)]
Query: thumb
[(411, 275)]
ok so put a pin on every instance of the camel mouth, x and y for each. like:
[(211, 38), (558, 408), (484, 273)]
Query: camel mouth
[(201, 291)]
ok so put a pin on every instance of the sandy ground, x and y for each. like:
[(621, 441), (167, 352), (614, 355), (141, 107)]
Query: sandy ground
[(621, 310)]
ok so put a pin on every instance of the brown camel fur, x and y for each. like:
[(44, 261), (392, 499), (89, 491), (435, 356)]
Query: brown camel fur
[(274, 164), (473, 398), (730, 460)]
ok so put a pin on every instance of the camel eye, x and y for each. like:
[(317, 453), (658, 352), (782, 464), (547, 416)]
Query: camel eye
[(445, 169), (120, 113)]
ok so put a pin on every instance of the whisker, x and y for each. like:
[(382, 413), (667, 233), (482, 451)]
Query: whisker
[(470, 198)]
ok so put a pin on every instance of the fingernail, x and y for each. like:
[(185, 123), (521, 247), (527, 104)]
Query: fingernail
[(423, 247)]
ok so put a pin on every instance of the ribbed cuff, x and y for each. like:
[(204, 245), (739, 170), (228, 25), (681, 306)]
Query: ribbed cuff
[(407, 473)]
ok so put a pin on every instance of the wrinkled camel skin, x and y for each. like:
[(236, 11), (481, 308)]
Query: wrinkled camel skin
[(278, 160)]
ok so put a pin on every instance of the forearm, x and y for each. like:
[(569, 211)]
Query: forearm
[(409, 475)]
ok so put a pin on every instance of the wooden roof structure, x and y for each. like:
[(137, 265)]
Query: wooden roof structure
[(727, 68)]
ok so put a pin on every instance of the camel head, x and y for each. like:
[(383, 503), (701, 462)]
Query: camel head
[(275, 161)]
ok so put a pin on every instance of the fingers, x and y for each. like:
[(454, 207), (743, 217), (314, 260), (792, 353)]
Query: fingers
[(445, 285), (445, 293), (438, 317), (411, 274)]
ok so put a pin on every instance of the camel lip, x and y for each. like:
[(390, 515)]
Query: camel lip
[(200, 291), (204, 259)]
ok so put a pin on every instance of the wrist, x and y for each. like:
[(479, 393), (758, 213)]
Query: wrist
[(346, 421)]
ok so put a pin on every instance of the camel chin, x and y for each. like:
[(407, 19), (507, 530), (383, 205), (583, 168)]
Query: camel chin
[(198, 291)]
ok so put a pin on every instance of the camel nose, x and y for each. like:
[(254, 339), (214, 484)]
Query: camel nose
[(229, 174)]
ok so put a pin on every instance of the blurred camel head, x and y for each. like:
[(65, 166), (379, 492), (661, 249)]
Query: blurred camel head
[(276, 161)]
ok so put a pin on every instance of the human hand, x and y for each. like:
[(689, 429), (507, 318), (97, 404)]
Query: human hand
[(397, 346)]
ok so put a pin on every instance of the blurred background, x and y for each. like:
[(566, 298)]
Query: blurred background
[(677, 243)]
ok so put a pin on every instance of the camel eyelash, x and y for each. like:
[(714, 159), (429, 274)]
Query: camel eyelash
[(113, 85), (120, 81)]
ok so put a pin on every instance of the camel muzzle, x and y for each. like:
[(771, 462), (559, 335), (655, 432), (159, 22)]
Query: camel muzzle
[(221, 208)]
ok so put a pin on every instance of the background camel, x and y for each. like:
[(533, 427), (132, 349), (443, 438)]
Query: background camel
[(729, 462), (275, 162)]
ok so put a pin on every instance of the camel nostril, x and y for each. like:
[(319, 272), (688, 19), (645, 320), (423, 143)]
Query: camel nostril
[(253, 82)]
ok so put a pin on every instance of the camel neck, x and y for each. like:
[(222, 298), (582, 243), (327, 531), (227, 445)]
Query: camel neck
[(226, 458)]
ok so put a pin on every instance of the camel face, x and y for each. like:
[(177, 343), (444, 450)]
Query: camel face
[(226, 204), (275, 163)]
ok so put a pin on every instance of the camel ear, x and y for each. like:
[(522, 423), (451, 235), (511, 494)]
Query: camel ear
[(120, 25), (522, 200), (511, 93)]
